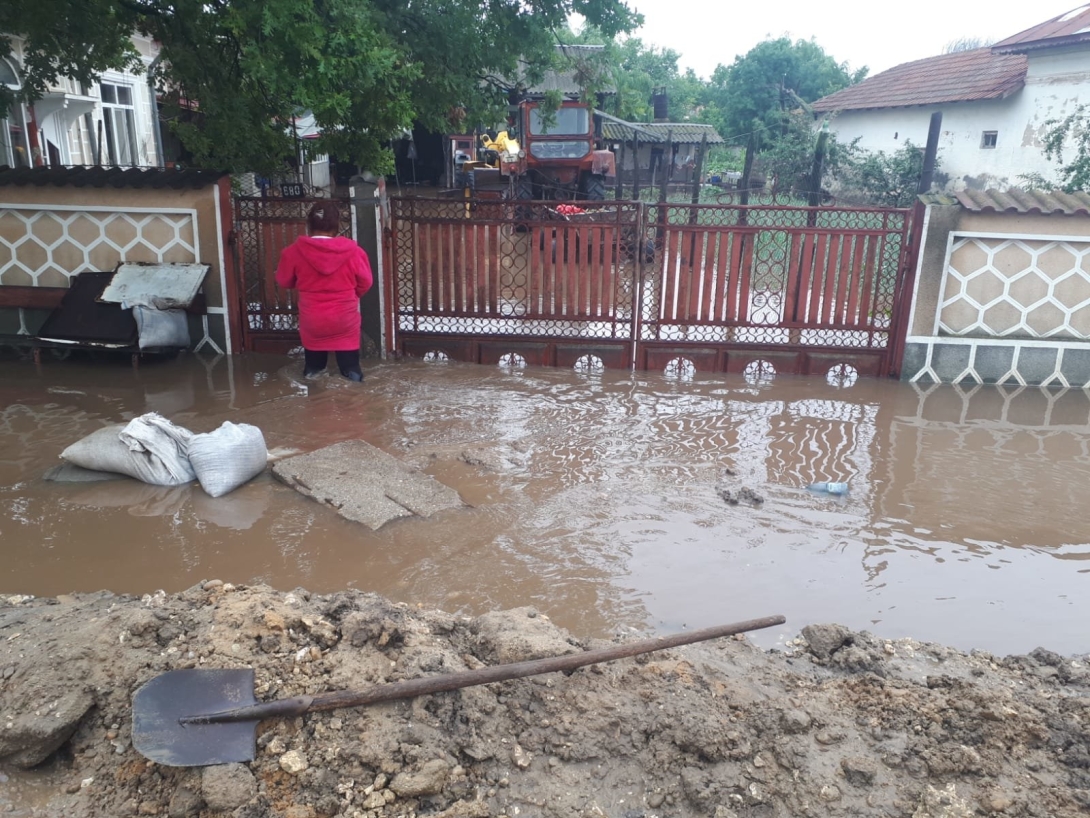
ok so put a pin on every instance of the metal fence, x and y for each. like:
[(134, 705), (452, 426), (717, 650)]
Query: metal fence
[(263, 228), (713, 287)]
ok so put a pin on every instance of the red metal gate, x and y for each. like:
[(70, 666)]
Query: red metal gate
[(263, 228), (766, 289), (715, 288), (479, 281)]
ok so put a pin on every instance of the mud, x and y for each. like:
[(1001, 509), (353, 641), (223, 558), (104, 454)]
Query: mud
[(604, 500), (838, 723)]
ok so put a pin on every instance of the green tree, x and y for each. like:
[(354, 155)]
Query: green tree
[(788, 155), (772, 78), (633, 71), (1064, 137), (365, 68), (881, 178)]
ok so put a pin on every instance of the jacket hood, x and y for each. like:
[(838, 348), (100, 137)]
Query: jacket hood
[(326, 255)]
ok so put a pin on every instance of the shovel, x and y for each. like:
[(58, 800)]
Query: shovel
[(198, 717)]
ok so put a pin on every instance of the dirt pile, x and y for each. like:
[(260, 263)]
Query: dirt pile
[(842, 724)]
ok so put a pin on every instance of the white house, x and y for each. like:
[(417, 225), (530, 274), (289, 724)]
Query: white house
[(995, 103), (112, 122)]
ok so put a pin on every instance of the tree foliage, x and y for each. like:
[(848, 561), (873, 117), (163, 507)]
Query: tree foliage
[(1067, 136), (772, 78), (633, 71), (365, 68), (880, 178), (788, 155)]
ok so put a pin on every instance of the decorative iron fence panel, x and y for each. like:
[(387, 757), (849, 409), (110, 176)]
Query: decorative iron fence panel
[(791, 278), (798, 285), (263, 228), (492, 268)]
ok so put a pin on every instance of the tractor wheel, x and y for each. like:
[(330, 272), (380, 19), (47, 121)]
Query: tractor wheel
[(594, 187)]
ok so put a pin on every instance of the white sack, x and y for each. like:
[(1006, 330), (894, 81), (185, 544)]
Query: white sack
[(161, 328), (225, 459), (149, 448)]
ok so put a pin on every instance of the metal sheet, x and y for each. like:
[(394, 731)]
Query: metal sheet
[(161, 286), (83, 320)]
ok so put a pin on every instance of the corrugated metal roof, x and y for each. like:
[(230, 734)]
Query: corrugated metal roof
[(109, 177), (683, 133), (562, 79), (1016, 200), (961, 77), (1064, 29)]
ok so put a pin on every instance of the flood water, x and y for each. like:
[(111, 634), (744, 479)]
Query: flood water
[(592, 497)]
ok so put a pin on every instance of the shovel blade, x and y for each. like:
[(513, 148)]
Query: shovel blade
[(157, 707)]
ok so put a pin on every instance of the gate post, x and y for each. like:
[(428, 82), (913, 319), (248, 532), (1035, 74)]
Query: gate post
[(641, 233), (363, 193), (905, 289)]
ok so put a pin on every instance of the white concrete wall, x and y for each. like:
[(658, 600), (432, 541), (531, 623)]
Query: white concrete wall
[(1055, 85)]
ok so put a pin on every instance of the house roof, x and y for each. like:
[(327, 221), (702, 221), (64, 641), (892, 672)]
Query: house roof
[(109, 177), (1016, 200), (964, 76), (1064, 29), (682, 133), (564, 79)]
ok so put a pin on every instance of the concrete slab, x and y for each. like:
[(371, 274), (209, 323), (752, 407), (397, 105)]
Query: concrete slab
[(364, 484)]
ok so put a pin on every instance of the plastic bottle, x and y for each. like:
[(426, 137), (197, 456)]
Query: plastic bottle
[(837, 489)]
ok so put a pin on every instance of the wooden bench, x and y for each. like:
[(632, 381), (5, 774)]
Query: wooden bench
[(49, 298)]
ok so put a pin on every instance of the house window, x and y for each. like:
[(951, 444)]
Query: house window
[(119, 122), (989, 138), (13, 145), (13, 149)]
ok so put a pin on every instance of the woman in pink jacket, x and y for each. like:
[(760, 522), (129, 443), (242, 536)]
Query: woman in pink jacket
[(331, 273)]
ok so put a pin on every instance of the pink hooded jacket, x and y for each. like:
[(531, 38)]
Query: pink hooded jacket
[(330, 274)]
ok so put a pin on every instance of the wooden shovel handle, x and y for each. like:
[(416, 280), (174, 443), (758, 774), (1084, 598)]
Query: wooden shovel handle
[(412, 688)]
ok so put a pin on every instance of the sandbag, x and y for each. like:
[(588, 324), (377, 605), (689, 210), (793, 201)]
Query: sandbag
[(161, 328), (149, 448), (225, 459)]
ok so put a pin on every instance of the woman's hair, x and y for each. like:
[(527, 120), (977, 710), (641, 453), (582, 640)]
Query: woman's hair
[(324, 217)]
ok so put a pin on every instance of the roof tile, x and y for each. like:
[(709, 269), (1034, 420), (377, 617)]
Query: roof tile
[(95, 176), (1016, 200), (682, 132), (1063, 29), (960, 77)]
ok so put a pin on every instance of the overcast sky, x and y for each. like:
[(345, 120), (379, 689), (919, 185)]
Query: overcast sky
[(859, 32)]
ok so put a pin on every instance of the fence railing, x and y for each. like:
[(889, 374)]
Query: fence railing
[(711, 275)]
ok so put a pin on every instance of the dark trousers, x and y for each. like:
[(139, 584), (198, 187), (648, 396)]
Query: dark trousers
[(348, 360)]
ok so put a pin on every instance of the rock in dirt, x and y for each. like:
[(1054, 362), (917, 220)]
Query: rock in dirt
[(293, 762), (428, 780), (824, 640), (519, 635), (30, 737), (227, 786), (859, 771), (185, 803)]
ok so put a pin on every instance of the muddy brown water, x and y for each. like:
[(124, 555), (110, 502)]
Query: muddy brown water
[(594, 497)]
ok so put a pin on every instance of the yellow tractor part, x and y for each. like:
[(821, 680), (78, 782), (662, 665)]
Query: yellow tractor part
[(501, 144)]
